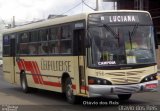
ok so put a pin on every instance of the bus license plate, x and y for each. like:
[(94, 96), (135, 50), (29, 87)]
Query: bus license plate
[(151, 86)]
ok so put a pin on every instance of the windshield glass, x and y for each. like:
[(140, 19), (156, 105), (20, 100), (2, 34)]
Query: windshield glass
[(119, 44)]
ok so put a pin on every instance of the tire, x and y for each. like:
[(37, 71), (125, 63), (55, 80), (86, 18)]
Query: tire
[(24, 84), (124, 96), (71, 98)]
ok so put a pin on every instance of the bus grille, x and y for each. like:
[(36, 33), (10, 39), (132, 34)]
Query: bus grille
[(129, 77)]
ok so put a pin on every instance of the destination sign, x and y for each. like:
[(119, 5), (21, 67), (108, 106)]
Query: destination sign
[(120, 18)]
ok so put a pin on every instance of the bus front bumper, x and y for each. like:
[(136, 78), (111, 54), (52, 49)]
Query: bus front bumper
[(103, 90)]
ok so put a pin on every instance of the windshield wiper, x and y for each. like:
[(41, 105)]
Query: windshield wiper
[(131, 34), (113, 33), (134, 29), (110, 29)]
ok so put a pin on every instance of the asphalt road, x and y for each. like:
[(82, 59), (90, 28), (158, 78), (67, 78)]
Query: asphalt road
[(13, 99)]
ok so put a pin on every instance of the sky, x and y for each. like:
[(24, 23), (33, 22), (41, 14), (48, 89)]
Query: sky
[(32, 10)]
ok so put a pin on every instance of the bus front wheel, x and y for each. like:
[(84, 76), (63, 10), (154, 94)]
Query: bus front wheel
[(124, 96), (71, 98), (24, 84)]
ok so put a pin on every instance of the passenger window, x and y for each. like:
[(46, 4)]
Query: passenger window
[(44, 49), (34, 48), (34, 36), (44, 34), (24, 37), (23, 49), (54, 47), (66, 32), (66, 47), (6, 45), (55, 33), (66, 40), (6, 40)]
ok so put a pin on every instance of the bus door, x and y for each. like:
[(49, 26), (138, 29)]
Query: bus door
[(12, 58), (79, 48)]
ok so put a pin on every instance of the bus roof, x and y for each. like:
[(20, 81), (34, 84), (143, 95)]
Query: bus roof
[(60, 20)]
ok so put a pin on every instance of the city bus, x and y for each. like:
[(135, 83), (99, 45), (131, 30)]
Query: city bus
[(92, 54)]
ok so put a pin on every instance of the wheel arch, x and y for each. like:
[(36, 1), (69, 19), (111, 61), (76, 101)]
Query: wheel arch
[(65, 75), (22, 73)]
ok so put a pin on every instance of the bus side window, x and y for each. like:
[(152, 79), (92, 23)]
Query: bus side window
[(66, 40), (66, 46), (44, 33), (53, 46), (23, 37), (34, 36), (34, 48), (6, 45), (23, 48), (54, 33), (79, 45), (44, 48), (54, 40)]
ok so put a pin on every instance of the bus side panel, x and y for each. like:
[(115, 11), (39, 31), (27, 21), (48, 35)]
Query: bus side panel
[(8, 69), (75, 81), (46, 72)]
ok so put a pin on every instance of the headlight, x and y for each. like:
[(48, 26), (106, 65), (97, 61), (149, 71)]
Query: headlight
[(98, 81), (149, 78)]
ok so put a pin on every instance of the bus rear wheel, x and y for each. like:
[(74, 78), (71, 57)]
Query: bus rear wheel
[(71, 98), (24, 84), (124, 96)]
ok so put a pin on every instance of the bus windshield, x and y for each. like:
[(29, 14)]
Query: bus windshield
[(121, 44)]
